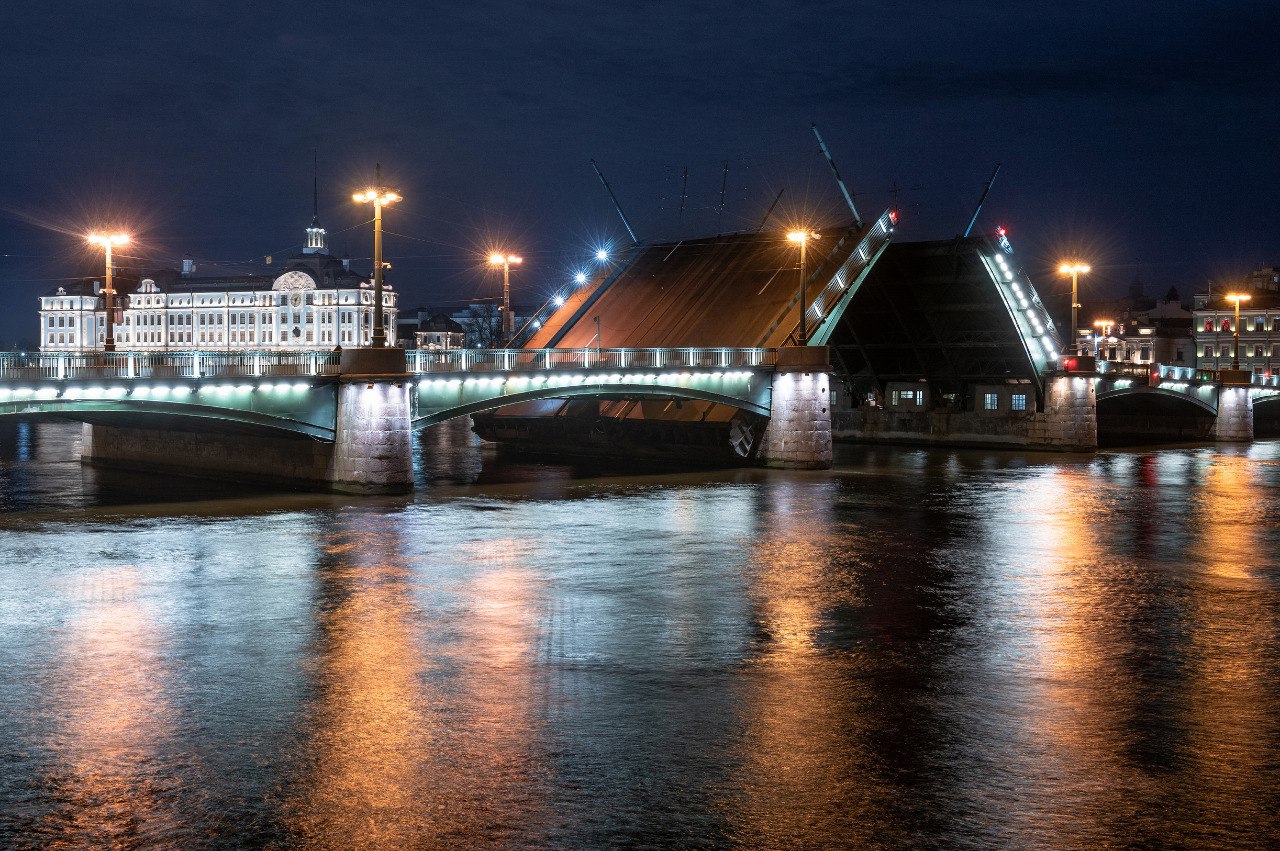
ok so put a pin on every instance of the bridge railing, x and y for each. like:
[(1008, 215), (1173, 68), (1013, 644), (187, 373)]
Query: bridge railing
[(430, 361), (1183, 373), (38, 366)]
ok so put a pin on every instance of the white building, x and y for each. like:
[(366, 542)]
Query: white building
[(1214, 331), (315, 302)]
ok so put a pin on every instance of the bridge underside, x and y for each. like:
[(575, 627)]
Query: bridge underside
[(944, 311), (171, 417), (1150, 415)]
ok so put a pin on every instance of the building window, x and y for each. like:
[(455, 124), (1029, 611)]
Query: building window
[(1018, 402), (1257, 351), (1208, 325), (1226, 325), (1260, 324), (990, 401)]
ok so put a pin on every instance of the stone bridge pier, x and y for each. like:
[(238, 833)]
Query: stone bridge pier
[(798, 436)]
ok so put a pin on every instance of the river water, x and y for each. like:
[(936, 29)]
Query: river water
[(921, 648)]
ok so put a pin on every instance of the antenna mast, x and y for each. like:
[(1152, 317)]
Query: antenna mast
[(626, 224), (982, 199), (840, 180)]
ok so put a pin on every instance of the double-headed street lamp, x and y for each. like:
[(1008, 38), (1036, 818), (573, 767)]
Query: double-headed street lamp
[(1237, 298), (802, 237), (506, 261), (380, 196), (108, 294), (1103, 325), (1075, 270)]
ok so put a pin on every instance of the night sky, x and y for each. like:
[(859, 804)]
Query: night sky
[(1142, 137)]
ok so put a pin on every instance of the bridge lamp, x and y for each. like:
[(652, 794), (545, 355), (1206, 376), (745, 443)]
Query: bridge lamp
[(107, 242), (1104, 326), (380, 197), (1075, 270), (802, 237), (506, 261), (602, 254), (580, 278), (1236, 298)]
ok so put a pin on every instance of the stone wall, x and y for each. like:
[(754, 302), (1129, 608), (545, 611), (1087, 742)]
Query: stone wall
[(278, 461)]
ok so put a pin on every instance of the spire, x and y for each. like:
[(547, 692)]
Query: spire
[(315, 233), (315, 188)]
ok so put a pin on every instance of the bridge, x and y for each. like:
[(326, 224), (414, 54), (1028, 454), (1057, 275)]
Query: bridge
[(344, 420), (934, 342)]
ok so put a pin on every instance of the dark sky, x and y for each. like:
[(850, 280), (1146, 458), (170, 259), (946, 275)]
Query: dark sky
[(1143, 137)]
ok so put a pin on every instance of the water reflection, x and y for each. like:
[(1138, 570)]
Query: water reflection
[(922, 648)]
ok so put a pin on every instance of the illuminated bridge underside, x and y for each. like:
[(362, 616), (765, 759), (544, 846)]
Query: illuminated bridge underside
[(437, 399), (1201, 399), (949, 312), (295, 409)]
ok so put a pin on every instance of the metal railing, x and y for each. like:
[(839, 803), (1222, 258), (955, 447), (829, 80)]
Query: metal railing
[(18, 366), (431, 361), (58, 366)]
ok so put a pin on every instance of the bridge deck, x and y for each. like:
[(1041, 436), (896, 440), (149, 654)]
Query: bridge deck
[(731, 290)]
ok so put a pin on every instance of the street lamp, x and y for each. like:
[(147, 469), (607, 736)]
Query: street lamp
[(1075, 270), (1237, 298), (108, 294), (380, 196), (802, 237), (1105, 326), (506, 261)]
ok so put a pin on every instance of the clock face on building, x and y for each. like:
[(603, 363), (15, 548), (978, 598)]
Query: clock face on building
[(296, 299)]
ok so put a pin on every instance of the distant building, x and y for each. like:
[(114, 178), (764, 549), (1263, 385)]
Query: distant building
[(1214, 330), (1141, 330), (481, 322), (315, 302), (424, 328)]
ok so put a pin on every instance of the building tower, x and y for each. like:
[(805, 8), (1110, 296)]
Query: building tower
[(315, 233)]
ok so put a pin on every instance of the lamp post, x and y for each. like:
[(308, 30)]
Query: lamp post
[(1105, 326), (802, 237), (108, 294), (380, 196), (1075, 270), (1236, 298), (506, 261)]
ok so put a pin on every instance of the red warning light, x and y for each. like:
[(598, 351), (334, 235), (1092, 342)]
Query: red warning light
[(1000, 231), (1069, 364), (893, 216)]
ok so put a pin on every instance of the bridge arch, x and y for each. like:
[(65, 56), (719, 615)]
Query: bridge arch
[(426, 415), (147, 413), (1144, 399)]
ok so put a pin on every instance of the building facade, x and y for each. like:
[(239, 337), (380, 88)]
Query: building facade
[(1213, 329), (315, 302)]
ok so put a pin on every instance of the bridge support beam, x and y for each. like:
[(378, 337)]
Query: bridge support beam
[(373, 443), (1235, 414), (798, 436)]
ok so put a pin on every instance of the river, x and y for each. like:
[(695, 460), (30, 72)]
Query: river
[(920, 648)]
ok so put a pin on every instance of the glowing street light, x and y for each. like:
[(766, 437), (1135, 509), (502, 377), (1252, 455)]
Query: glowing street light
[(802, 237), (602, 254), (380, 197), (580, 278), (506, 261), (1104, 325), (108, 294), (1075, 270), (1237, 298)]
